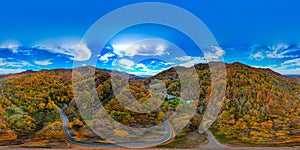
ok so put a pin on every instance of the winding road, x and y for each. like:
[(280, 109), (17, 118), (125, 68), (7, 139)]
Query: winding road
[(65, 122), (214, 144)]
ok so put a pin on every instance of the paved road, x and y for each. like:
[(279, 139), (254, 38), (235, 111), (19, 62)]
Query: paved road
[(65, 121), (214, 144)]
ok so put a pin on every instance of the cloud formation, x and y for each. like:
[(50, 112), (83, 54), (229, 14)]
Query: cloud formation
[(126, 64), (10, 71), (214, 54), (291, 63), (145, 70), (11, 44), (145, 48), (82, 53), (189, 61), (288, 67), (69, 46), (10, 65), (285, 71), (277, 51), (15, 64), (258, 56), (44, 62), (105, 58)]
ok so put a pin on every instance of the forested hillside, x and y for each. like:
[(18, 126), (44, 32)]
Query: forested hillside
[(261, 106), (28, 104)]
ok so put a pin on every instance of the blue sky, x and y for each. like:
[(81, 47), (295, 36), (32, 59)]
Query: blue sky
[(45, 35)]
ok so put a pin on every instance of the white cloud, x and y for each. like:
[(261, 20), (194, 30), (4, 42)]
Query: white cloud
[(215, 53), (106, 57), (188, 61), (291, 63), (16, 64), (141, 66), (161, 63), (69, 46), (43, 63), (192, 63), (77, 53), (258, 56), (277, 51), (58, 50), (289, 67), (11, 44), (152, 62), (147, 72), (166, 63), (139, 69), (10, 71), (278, 47), (144, 70), (126, 64), (83, 53), (294, 71), (152, 47), (185, 58)]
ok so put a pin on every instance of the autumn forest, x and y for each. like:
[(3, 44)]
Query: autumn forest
[(261, 107)]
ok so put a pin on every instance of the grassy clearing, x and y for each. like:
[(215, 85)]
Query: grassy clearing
[(186, 140), (222, 138)]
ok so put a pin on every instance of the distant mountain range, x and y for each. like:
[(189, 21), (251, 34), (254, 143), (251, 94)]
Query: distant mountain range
[(294, 76), (132, 76)]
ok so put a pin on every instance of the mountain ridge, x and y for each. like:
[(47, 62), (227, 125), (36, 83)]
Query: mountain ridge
[(133, 76)]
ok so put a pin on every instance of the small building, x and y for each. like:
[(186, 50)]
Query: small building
[(169, 97), (190, 101), (65, 105)]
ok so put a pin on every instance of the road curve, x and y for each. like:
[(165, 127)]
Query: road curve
[(214, 144), (66, 130)]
